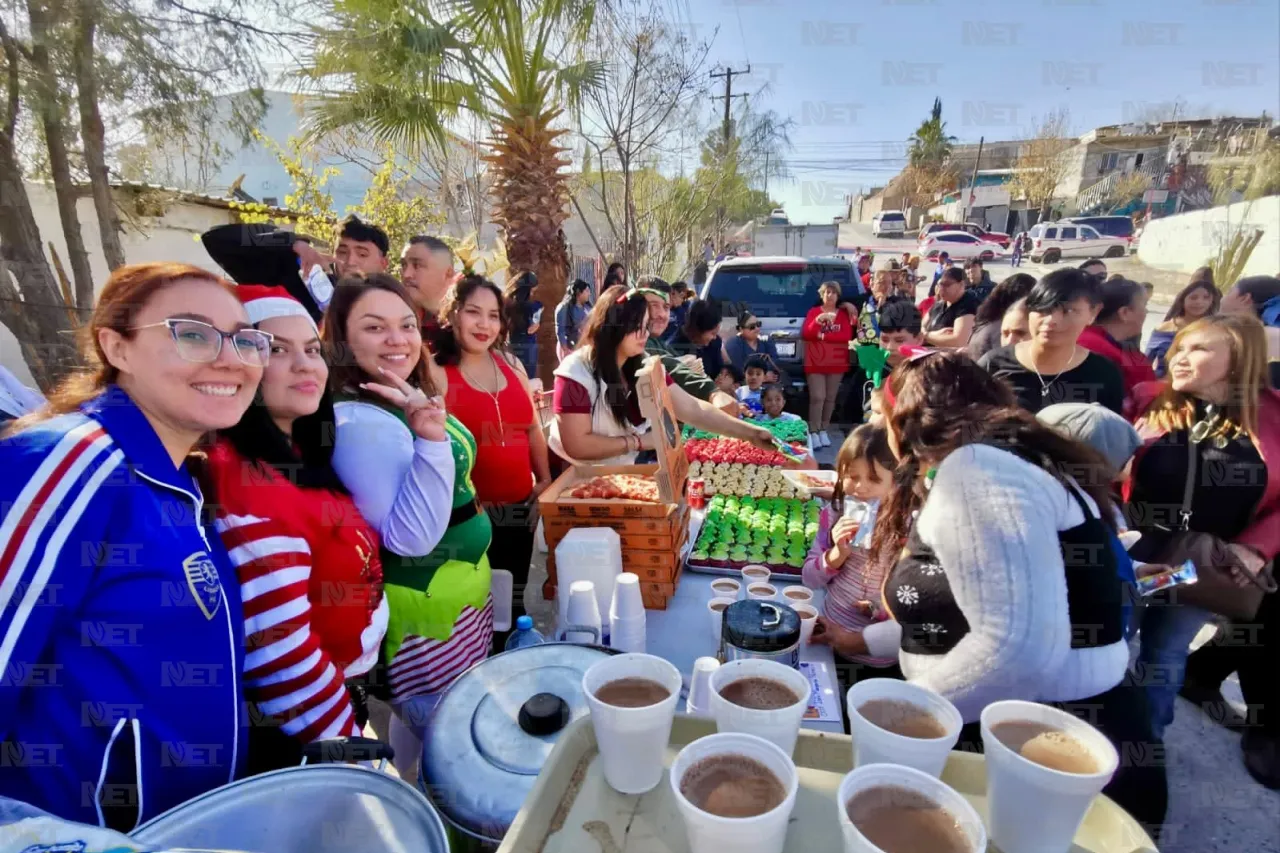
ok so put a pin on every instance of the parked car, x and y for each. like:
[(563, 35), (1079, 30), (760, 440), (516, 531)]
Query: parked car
[(1053, 241), (779, 290), (777, 217), (960, 245), (1107, 226), (999, 238), (889, 223)]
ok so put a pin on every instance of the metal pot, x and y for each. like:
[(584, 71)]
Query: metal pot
[(330, 808), (761, 630), (493, 729)]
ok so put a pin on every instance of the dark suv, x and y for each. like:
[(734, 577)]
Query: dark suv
[(780, 291)]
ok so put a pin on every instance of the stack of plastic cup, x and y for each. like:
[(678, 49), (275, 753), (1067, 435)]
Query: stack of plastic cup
[(874, 745), (699, 701), (582, 612), (708, 833), (1033, 808), (897, 776), (780, 726), (632, 741), (626, 615)]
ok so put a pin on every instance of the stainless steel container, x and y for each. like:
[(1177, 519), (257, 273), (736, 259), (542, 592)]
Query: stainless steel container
[(494, 729), (329, 808), (761, 630)]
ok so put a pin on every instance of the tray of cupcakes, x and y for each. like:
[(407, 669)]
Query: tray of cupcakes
[(739, 531), (634, 776)]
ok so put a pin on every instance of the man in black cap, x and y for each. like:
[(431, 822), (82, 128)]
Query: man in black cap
[(658, 294)]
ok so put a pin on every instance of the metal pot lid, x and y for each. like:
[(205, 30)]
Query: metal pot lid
[(324, 808), (494, 728), (760, 626)]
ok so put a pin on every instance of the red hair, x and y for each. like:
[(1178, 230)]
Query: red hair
[(123, 297)]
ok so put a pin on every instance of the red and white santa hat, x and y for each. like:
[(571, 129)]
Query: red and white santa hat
[(264, 302)]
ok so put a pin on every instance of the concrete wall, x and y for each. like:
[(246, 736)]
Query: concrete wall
[(173, 238), (1189, 240)]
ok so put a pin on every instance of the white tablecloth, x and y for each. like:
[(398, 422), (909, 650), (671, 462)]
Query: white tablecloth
[(682, 634)]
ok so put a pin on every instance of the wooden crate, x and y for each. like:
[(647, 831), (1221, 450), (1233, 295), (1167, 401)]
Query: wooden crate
[(648, 533), (555, 504)]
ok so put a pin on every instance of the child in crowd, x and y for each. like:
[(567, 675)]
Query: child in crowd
[(679, 303), (774, 400), (901, 326), (729, 380), (754, 369), (864, 468)]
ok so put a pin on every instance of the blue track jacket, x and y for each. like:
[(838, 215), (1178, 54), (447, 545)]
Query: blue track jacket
[(121, 633)]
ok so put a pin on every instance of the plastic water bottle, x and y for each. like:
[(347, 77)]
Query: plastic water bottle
[(524, 635)]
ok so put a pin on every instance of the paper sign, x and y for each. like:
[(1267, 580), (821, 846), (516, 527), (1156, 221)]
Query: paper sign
[(657, 408)]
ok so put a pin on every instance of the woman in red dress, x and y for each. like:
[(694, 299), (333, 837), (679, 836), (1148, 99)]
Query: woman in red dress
[(489, 392)]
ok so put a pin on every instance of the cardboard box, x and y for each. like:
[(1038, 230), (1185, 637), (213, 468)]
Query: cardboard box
[(658, 410), (555, 503)]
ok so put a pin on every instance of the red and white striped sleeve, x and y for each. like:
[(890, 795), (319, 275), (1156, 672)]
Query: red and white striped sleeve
[(287, 673)]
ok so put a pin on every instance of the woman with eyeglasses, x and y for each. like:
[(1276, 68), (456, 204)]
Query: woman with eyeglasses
[(121, 630), (307, 561), (1003, 582), (597, 408), (408, 464), (748, 342)]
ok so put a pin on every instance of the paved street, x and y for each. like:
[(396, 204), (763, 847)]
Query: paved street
[(1214, 805)]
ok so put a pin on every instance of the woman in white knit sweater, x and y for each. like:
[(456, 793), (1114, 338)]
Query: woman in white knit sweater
[(1004, 582)]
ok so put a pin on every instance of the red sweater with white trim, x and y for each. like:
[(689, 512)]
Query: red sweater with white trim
[(311, 581)]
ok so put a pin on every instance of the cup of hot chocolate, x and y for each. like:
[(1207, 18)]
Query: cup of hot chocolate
[(889, 808), (762, 698), (762, 591), (726, 588), (716, 608), (808, 621), (735, 792), (794, 595), (897, 722), (755, 574), (633, 699), (1044, 768)]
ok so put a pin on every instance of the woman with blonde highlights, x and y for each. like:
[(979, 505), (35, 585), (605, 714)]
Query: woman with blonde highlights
[(1216, 399)]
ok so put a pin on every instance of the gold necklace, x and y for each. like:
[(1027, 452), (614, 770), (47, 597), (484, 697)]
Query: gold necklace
[(493, 395)]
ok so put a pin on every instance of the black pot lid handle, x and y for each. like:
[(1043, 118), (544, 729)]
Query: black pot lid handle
[(543, 714)]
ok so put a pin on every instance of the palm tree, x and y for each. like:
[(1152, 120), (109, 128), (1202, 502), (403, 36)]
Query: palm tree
[(404, 70), (930, 144)]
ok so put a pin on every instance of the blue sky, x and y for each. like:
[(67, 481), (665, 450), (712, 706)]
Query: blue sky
[(858, 76)]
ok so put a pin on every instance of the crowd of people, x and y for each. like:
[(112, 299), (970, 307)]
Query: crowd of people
[(293, 491)]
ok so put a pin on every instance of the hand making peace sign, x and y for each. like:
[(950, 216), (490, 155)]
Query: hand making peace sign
[(426, 415)]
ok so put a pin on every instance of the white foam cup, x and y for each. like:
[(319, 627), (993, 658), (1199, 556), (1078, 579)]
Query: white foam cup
[(874, 745), (627, 634), (762, 591), (806, 625), (1033, 808), (632, 741), (780, 726), (794, 595), (583, 611), (717, 619), (898, 776), (627, 602), (708, 833), (726, 588), (699, 702), (755, 573)]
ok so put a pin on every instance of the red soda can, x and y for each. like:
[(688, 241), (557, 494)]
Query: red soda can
[(697, 492)]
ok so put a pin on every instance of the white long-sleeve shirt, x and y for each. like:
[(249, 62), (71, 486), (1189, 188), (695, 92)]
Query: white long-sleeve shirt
[(402, 484), (992, 519)]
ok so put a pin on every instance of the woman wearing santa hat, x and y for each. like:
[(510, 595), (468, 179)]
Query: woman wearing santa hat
[(307, 561)]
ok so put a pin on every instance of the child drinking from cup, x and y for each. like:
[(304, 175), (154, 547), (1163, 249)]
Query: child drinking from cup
[(839, 559)]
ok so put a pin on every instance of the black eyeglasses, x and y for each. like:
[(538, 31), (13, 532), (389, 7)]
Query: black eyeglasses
[(201, 342), (751, 326)]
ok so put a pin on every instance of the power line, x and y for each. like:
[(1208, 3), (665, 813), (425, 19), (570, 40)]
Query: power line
[(742, 33)]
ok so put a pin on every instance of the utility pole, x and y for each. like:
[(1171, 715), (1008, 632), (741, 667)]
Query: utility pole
[(973, 180), (766, 174), (728, 74)]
